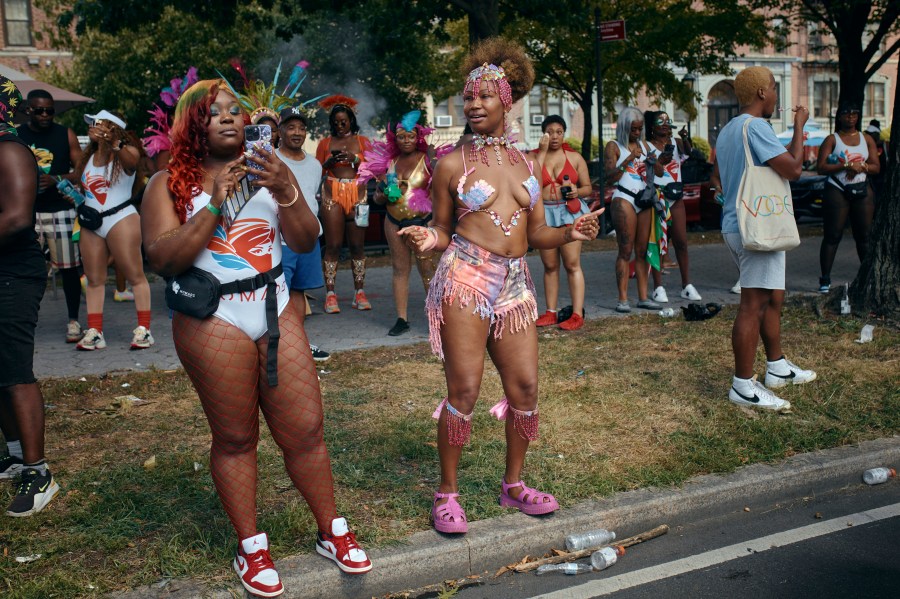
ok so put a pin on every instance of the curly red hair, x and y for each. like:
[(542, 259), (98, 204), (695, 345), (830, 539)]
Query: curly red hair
[(189, 143)]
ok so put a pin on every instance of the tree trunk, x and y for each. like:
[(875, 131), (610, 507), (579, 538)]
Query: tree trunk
[(484, 20), (586, 105), (877, 285)]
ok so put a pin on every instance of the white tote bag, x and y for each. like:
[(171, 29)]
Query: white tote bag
[(765, 209)]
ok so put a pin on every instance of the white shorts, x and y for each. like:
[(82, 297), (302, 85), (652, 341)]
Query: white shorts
[(759, 270)]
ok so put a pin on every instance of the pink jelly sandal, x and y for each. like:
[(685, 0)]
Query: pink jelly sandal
[(448, 517), (530, 501)]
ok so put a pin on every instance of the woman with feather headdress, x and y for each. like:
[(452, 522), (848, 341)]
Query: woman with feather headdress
[(341, 154), (403, 167)]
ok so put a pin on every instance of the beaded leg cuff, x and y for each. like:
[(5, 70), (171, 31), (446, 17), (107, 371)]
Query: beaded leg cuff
[(525, 423), (459, 425), (359, 271), (330, 272)]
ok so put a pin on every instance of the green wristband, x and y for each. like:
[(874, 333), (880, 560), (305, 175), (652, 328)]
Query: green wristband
[(214, 210)]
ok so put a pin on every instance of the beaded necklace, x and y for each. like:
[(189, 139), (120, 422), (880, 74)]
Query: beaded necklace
[(480, 143)]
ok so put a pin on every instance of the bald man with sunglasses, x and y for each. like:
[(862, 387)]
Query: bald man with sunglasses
[(57, 151)]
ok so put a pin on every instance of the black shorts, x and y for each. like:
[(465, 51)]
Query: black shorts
[(20, 300)]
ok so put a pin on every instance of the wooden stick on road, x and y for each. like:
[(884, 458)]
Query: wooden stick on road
[(574, 555)]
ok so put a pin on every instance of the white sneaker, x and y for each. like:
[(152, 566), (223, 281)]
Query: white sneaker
[(794, 375), (142, 338), (93, 339), (254, 567), (123, 296), (689, 293), (73, 332), (737, 288), (759, 397), (659, 295)]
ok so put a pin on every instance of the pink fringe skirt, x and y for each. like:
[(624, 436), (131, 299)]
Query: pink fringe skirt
[(498, 288)]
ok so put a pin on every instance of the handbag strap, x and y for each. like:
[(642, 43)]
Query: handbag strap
[(747, 156), (268, 280)]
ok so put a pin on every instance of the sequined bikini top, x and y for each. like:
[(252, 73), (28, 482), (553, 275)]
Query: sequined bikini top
[(481, 191)]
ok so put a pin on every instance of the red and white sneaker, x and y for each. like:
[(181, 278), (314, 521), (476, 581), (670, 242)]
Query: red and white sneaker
[(254, 567), (341, 547)]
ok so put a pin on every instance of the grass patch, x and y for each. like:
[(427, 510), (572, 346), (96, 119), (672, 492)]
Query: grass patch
[(626, 403)]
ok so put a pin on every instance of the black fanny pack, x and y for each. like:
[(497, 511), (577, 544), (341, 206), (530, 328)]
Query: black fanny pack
[(673, 191), (196, 293), (855, 191), (643, 199), (92, 219), (410, 222)]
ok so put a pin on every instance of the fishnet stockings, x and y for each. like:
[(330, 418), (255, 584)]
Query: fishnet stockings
[(229, 372)]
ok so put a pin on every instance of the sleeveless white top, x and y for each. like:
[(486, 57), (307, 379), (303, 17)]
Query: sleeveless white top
[(633, 177), (672, 171), (99, 192), (251, 246), (846, 154)]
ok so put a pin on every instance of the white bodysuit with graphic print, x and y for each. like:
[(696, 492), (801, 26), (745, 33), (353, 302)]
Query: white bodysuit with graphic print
[(251, 246), (101, 195)]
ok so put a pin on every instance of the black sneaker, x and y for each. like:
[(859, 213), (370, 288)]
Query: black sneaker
[(318, 355), (33, 493), (400, 327), (10, 466)]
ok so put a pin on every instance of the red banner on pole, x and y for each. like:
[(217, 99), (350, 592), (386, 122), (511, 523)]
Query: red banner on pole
[(612, 31)]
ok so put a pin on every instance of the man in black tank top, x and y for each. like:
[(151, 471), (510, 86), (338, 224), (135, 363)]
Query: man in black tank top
[(22, 282), (57, 152)]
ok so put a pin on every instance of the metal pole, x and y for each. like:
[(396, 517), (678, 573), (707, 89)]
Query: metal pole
[(599, 75)]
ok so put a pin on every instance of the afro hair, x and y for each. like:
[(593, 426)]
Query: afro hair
[(509, 55)]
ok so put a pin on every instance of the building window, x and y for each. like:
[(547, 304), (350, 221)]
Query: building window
[(449, 113), (874, 106), (541, 104), (825, 97), (17, 22)]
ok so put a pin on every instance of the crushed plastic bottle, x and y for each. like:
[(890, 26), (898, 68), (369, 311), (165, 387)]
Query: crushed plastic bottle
[(667, 312), (876, 476), (606, 557), (590, 538), (569, 569)]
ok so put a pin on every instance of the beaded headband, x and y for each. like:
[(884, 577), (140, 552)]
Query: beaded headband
[(489, 72)]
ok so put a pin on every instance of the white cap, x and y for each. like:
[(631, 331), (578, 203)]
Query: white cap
[(872, 129), (104, 115)]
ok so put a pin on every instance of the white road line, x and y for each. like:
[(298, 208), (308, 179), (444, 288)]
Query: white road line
[(606, 586)]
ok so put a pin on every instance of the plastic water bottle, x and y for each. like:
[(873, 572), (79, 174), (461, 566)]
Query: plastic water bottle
[(876, 476), (590, 538), (667, 312), (606, 557), (570, 569), (832, 159), (845, 301)]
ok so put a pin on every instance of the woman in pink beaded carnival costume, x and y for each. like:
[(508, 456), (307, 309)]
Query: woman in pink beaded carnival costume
[(487, 210)]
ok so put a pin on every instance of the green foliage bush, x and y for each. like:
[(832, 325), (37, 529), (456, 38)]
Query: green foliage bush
[(702, 146)]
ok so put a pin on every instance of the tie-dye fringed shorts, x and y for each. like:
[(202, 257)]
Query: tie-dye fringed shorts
[(500, 289)]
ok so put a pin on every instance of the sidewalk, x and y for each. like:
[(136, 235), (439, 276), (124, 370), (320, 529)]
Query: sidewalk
[(712, 272)]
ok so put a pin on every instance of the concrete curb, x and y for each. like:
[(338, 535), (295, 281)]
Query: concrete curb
[(428, 557)]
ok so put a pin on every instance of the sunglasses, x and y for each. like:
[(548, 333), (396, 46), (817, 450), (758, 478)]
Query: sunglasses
[(660, 121), (42, 110), (843, 112)]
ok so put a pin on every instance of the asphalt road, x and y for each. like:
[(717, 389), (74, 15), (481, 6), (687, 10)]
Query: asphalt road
[(842, 544)]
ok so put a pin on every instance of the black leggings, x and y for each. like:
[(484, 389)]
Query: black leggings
[(836, 208), (71, 281)]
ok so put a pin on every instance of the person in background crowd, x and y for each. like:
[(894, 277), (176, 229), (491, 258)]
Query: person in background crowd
[(251, 354), (848, 158), (623, 160), (560, 169), (874, 130), (482, 288), (23, 279), (762, 273), (668, 179), (402, 166), (107, 171), (340, 155), (302, 272), (57, 151)]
